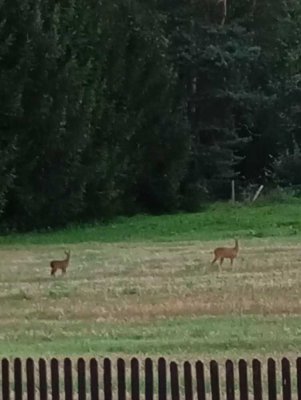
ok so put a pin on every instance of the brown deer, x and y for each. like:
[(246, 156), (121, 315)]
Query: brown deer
[(60, 264), (225, 252)]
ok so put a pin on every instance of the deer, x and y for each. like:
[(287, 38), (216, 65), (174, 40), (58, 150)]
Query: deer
[(225, 252), (60, 264)]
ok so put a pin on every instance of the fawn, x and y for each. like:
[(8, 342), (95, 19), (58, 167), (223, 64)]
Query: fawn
[(225, 252), (60, 264)]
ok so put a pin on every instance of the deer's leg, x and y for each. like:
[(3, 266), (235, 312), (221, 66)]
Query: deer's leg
[(220, 264), (63, 271), (53, 270), (214, 260)]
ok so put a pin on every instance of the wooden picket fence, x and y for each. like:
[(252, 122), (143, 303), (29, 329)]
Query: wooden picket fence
[(149, 379)]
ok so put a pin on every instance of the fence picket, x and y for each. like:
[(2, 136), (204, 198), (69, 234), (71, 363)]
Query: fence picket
[(149, 379), (286, 379), (43, 386), (214, 380), (298, 366), (257, 383), (30, 381), (121, 379), (81, 379), (190, 392), (174, 381), (68, 381), (94, 382), (272, 389), (243, 380), (188, 381), (230, 388), (18, 379), (135, 379), (107, 379), (200, 380), (5, 379), (55, 387), (162, 385)]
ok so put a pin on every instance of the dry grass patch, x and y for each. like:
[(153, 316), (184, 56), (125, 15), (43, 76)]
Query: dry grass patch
[(141, 284)]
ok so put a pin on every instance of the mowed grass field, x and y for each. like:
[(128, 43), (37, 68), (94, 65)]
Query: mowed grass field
[(145, 286)]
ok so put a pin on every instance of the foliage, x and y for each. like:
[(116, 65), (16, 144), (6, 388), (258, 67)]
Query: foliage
[(120, 107), (287, 167), (218, 221)]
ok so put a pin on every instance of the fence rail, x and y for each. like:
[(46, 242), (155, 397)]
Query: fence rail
[(95, 379)]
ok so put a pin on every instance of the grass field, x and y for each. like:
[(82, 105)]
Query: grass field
[(145, 286)]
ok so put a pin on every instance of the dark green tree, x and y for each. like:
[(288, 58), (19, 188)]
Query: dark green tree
[(14, 53), (121, 107), (56, 107), (214, 61)]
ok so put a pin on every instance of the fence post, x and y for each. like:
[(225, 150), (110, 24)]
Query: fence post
[(30, 382), (257, 384), (200, 380), (18, 379), (214, 379), (81, 379), (298, 367), (5, 379), (149, 379), (188, 381), (107, 379), (174, 381), (121, 379), (68, 382), (230, 380), (286, 379), (94, 383), (243, 380), (43, 379), (272, 379), (55, 385), (258, 193), (162, 378), (233, 191), (135, 379)]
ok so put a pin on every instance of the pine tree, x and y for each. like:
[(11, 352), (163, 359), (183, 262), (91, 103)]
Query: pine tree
[(56, 102), (14, 55)]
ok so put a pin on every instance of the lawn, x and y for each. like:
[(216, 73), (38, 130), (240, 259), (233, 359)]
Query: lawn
[(144, 286), (219, 221)]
